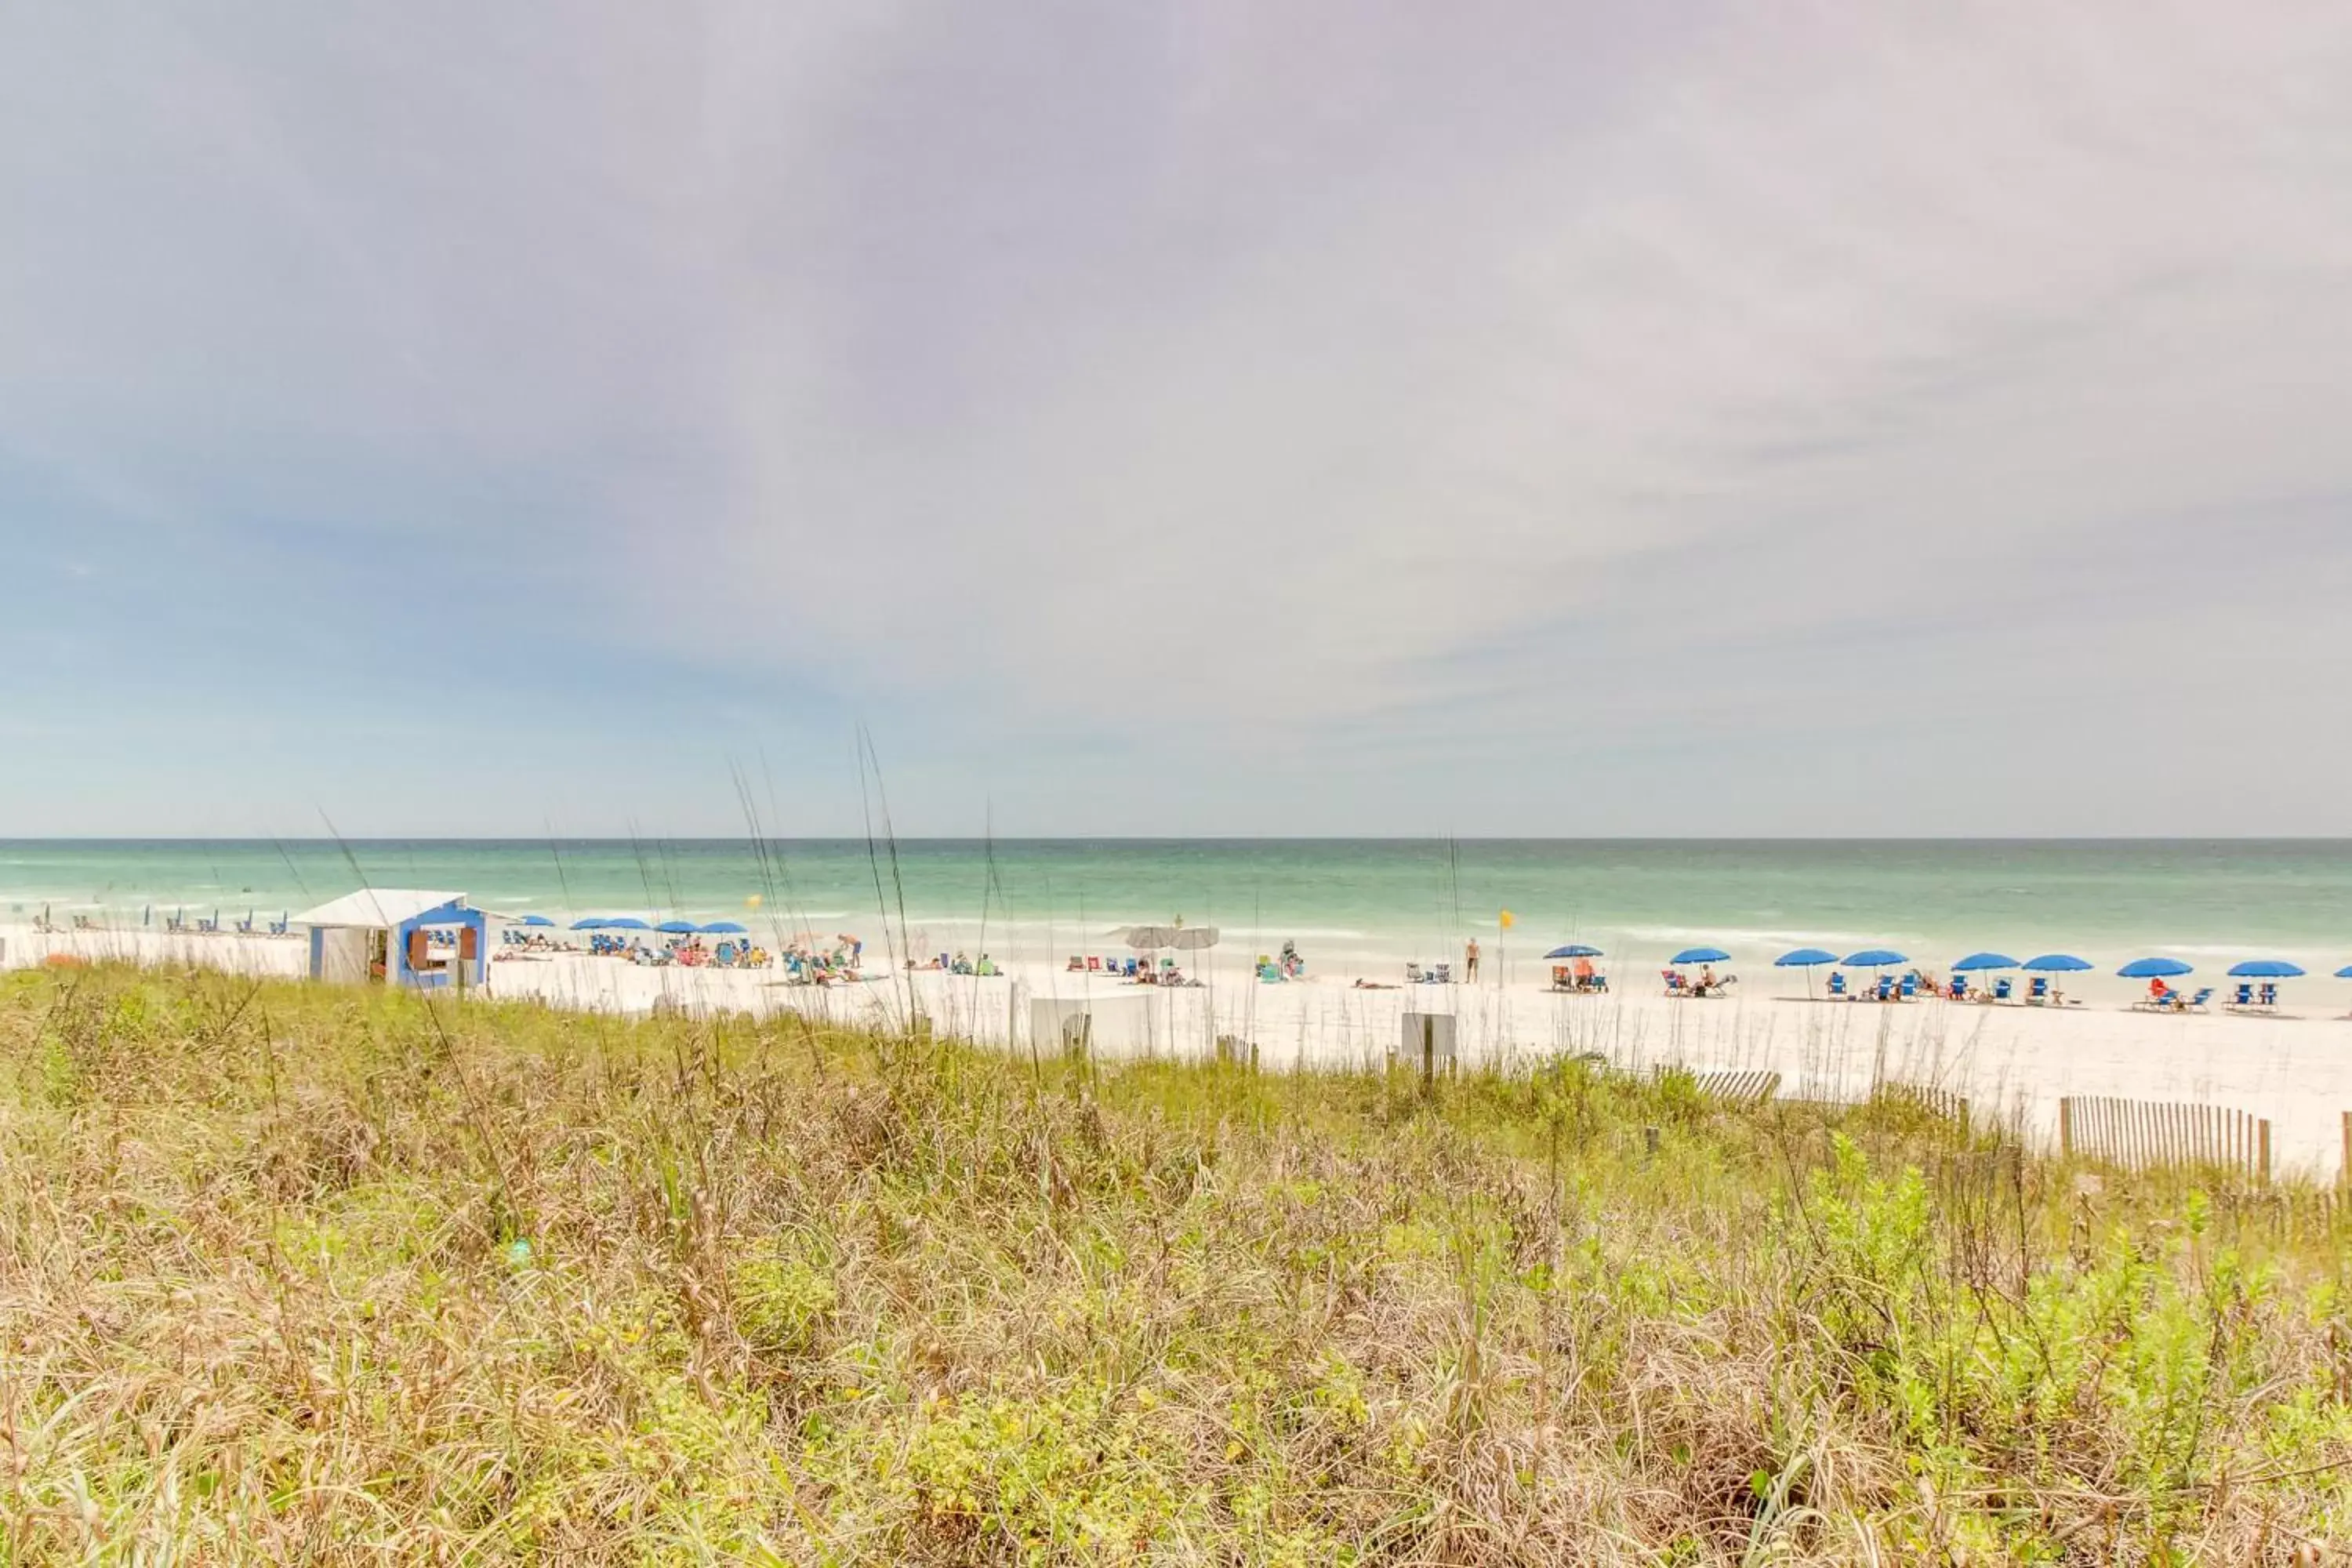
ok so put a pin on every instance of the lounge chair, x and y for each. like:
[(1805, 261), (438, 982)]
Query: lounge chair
[(2039, 991), (1910, 989), (2001, 990), (1837, 982), (2270, 995), (2243, 996), (1675, 984), (2196, 1003)]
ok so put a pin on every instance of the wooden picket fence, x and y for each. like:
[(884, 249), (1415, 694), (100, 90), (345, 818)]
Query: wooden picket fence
[(1939, 1102), (1738, 1088), (2141, 1134)]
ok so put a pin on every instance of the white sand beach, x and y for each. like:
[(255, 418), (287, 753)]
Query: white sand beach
[(2010, 1060)]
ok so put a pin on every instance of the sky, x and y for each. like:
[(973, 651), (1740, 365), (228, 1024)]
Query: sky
[(1499, 418)]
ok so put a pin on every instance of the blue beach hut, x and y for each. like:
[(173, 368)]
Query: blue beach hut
[(397, 936)]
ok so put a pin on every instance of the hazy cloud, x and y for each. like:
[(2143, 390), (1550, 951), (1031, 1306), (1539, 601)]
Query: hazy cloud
[(1510, 417)]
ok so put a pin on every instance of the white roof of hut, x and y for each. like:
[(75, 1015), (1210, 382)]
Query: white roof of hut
[(377, 907)]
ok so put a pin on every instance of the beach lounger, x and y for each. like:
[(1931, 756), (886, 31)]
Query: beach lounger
[(2243, 996), (1674, 983), (1910, 989), (1837, 982), (2196, 1003), (2002, 989), (2269, 994)]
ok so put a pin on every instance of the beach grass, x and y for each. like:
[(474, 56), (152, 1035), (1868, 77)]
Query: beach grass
[(296, 1273)]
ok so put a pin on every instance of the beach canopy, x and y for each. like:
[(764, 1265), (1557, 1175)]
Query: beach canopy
[(2154, 969), (1875, 958), (1804, 957), (1185, 938), (2266, 968), (722, 928), (1701, 955), (627, 922), (594, 922), (2345, 972), (1575, 950), (2056, 964), (676, 928), (372, 907), (534, 921), (1976, 961)]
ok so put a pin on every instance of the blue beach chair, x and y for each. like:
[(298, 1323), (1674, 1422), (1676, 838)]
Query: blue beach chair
[(2039, 991), (1837, 982), (2002, 989)]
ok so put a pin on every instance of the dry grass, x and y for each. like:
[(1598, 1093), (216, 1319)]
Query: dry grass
[(288, 1273)]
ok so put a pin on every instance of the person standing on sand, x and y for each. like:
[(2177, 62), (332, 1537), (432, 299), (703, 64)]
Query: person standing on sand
[(1470, 962)]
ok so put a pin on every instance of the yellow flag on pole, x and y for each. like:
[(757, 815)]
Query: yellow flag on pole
[(1505, 923)]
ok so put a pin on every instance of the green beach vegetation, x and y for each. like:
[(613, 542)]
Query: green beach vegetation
[(292, 1273)]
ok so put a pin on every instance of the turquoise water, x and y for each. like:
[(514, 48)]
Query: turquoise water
[(1340, 899)]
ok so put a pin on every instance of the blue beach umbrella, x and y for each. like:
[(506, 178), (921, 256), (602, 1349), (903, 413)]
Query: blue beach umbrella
[(594, 922), (676, 928), (535, 921), (628, 922), (722, 928), (1701, 955), (1875, 958), (1976, 961), (2345, 972), (2056, 964), (1574, 949), (1806, 959), (2266, 968), (2155, 969)]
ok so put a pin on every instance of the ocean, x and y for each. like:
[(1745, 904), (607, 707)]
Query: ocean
[(1347, 902)]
